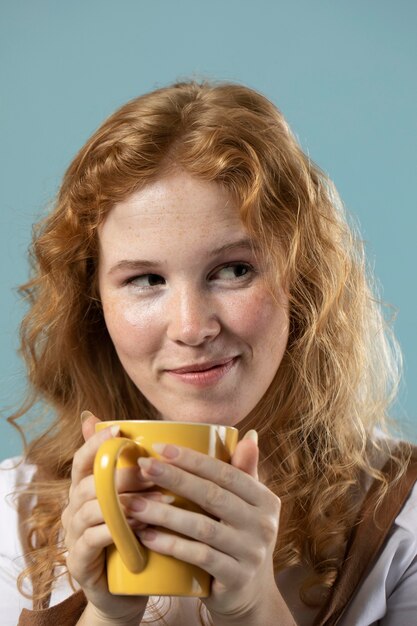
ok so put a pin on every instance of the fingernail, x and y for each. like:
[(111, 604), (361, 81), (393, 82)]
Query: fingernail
[(163, 497), (138, 528), (115, 430), (135, 525), (167, 450), (138, 504), (150, 466), (252, 435), (148, 534), (85, 415)]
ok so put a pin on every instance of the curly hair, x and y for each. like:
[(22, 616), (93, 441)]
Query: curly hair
[(340, 369)]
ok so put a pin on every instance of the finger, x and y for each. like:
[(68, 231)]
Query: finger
[(87, 549), (94, 540), (221, 566), (190, 524), (246, 455), (220, 502), (201, 465), (90, 515), (88, 424), (128, 480), (157, 496), (84, 457)]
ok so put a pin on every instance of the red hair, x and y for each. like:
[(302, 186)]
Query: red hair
[(339, 371)]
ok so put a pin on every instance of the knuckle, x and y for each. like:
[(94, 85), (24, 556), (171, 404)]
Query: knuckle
[(89, 537), (73, 565), (70, 563), (207, 530), (268, 528), (84, 516), (84, 490), (175, 477), (77, 457), (214, 495), (260, 557), (163, 515), (256, 558), (177, 548), (65, 540), (275, 504), (64, 517), (227, 475), (196, 461), (204, 556), (174, 547)]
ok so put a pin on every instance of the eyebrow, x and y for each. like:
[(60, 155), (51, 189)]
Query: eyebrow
[(134, 264)]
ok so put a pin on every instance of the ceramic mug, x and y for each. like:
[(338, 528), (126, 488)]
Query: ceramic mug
[(133, 569)]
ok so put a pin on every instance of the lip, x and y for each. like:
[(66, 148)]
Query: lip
[(200, 367), (203, 374)]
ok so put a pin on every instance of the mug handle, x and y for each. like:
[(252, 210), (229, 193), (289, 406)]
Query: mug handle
[(133, 554)]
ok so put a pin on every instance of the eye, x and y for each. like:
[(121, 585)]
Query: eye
[(146, 281), (232, 271)]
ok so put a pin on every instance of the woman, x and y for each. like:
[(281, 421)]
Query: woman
[(198, 266)]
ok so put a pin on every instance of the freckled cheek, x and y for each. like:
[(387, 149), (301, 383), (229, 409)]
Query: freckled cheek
[(130, 327), (259, 318)]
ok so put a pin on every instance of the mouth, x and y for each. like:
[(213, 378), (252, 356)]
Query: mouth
[(203, 374)]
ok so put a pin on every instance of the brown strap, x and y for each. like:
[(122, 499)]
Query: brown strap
[(367, 538), (66, 613)]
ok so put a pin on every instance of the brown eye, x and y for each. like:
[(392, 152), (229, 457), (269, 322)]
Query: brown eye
[(232, 271), (240, 270), (146, 281), (155, 279)]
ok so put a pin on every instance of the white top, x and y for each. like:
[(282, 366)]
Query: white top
[(387, 597)]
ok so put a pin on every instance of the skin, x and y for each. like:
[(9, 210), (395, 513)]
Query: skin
[(171, 302)]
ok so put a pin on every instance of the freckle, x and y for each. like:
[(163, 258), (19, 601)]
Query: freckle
[(135, 317)]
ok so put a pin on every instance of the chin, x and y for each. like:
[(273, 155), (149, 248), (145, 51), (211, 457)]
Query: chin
[(225, 418)]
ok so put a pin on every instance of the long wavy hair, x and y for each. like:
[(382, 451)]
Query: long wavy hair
[(339, 373)]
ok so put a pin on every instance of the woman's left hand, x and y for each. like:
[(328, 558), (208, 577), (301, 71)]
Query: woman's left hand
[(238, 549)]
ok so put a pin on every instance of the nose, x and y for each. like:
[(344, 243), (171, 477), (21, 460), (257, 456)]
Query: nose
[(192, 317)]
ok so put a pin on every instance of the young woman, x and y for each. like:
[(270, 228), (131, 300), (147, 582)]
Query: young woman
[(198, 266)]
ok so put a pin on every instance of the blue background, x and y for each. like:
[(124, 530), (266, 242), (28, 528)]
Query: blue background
[(343, 73)]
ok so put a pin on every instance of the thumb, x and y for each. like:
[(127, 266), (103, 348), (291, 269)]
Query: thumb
[(88, 424), (246, 455)]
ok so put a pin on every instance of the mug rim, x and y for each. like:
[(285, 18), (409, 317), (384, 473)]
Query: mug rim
[(174, 423)]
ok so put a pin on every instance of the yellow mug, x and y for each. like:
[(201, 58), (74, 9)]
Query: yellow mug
[(133, 569)]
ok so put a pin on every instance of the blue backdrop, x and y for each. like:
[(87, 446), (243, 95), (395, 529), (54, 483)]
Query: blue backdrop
[(343, 73)]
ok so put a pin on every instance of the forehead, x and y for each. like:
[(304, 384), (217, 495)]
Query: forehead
[(178, 193), (178, 206)]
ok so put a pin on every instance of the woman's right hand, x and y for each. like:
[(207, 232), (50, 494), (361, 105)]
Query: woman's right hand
[(86, 535)]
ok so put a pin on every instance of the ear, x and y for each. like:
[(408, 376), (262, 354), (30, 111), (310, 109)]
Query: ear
[(88, 423), (246, 455)]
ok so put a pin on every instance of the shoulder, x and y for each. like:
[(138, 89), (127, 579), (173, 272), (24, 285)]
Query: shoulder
[(15, 471), (387, 594), (14, 474)]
